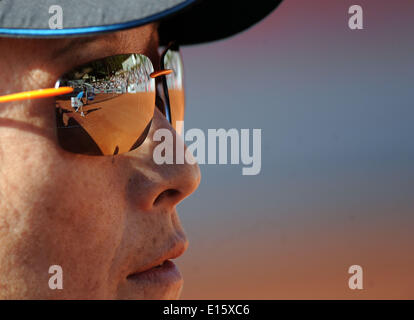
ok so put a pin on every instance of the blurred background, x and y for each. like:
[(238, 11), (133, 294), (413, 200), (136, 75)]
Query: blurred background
[(337, 182)]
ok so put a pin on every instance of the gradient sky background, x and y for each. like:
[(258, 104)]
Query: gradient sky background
[(337, 183)]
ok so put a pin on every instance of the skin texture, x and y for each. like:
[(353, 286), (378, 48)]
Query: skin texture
[(99, 218)]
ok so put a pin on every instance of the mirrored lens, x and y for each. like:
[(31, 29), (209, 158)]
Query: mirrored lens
[(173, 61), (111, 107)]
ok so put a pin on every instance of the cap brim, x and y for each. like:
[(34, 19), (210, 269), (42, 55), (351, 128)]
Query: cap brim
[(186, 21), (212, 20)]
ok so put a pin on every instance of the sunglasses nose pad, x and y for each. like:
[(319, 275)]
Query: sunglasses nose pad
[(160, 104)]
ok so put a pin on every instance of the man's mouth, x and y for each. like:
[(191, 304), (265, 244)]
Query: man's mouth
[(166, 272), (161, 270)]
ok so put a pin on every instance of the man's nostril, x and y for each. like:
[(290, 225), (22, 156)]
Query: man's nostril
[(169, 193)]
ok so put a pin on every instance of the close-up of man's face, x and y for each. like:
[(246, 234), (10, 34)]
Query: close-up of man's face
[(216, 152), (110, 222)]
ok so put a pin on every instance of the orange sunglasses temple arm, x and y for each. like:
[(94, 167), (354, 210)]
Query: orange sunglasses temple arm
[(160, 73), (36, 94), (51, 92)]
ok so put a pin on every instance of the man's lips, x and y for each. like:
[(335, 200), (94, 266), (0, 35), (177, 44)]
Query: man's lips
[(165, 273), (161, 269)]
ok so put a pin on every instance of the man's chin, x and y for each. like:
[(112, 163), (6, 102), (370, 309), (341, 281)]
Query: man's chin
[(134, 291)]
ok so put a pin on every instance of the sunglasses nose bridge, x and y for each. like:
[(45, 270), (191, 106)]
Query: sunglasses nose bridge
[(162, 98)]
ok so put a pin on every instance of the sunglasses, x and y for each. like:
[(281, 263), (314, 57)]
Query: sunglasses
[(106, 107)]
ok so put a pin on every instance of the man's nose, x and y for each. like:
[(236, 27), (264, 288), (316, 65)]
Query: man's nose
[(162, 185)]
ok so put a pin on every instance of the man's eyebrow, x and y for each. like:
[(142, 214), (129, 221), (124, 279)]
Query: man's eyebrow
[(81, 43), (72, 44), (94, 47)]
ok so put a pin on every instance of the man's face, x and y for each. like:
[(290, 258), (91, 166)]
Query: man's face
[(102, 219)]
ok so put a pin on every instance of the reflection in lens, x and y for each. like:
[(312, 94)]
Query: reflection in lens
[(172, 60), (111, 107)]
